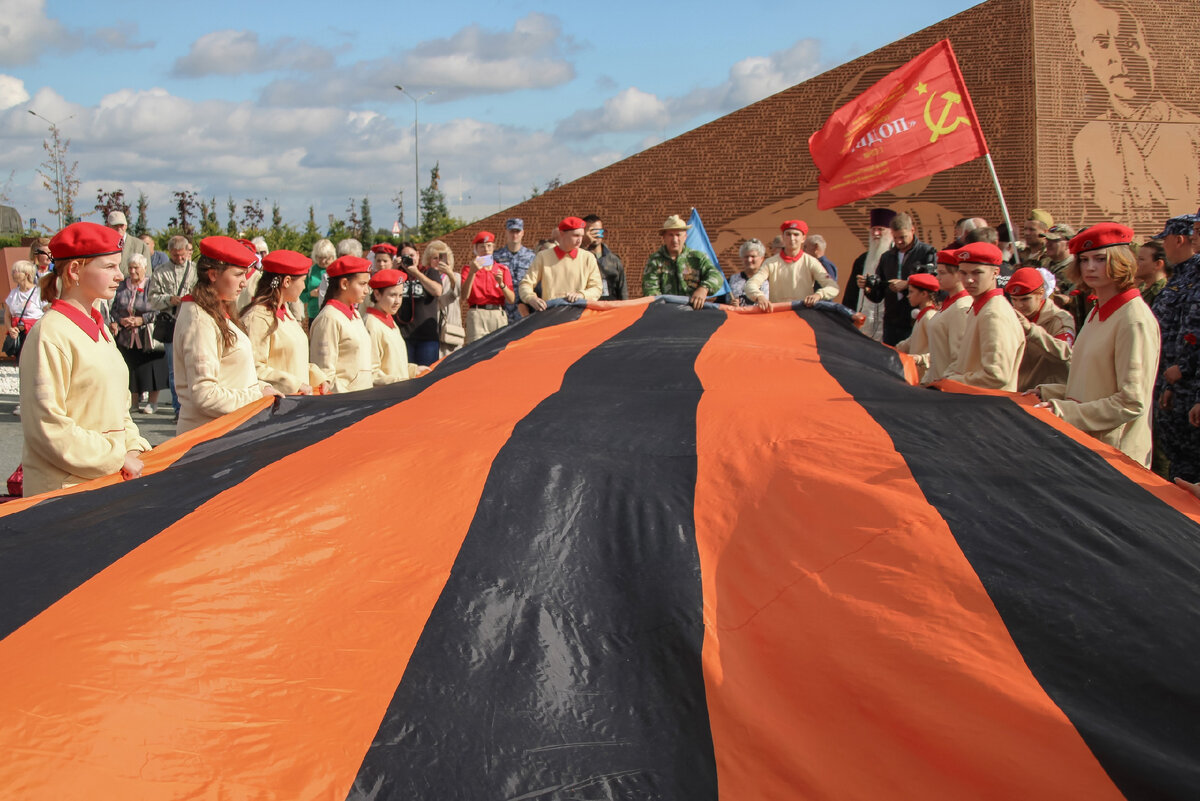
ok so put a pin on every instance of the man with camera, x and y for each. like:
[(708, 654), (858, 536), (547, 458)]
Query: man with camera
[(889, 284)]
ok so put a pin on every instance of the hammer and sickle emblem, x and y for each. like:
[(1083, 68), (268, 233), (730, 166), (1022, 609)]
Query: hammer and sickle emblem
[(940, 128)]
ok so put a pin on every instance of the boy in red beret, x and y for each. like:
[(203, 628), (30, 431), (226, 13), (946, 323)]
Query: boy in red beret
[(1049, 330), (994, 342), (946, 329), (791, 273), (564, 271), (922, 289)]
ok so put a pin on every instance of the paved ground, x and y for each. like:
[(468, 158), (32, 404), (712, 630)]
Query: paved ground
[(156, 428)]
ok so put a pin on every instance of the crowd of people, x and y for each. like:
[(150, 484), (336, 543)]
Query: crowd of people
[(1063, 315)]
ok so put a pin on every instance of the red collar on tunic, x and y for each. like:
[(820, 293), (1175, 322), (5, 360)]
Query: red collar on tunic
[(343, 308), (93, 326), (386, 319), (982, 300), (924, 312), (948, 302), (791, 259), (562, 254), (1113, 303), (282, 313)]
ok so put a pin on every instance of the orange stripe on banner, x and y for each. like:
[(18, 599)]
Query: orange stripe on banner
[(1177, 498), (156, 459), (850, 650), (251, 649)]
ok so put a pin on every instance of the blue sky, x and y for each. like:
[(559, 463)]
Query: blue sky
[(293, 101)]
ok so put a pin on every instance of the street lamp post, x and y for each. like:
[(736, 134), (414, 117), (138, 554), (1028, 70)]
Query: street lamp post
[(56, 156), (416, 147)]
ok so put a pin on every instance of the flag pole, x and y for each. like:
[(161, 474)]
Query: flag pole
[(1000, 194)]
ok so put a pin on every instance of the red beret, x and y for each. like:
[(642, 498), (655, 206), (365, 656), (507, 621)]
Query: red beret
[(947, 257), (794, 225), (570, 224), (227, 250), (924, 281), (286, 262), (979, 253), (348, 265), (1104, 235), (1024, 281), (84, 240), (488, 236), (385, 278), (384, 247)]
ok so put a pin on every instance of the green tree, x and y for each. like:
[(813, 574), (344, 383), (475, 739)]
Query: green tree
[(435, 216), (140, 226), (276, 217), (185, 209), (252, 214), (364, 220), (311, 230), (231, 224)]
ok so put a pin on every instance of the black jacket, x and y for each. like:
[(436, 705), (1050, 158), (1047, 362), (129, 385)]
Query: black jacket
[(897, 314)]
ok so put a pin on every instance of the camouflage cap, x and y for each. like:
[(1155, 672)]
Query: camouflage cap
[(1060, 233), (1177, 226), (1042, 216)]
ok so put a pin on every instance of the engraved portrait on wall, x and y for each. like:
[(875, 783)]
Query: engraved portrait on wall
[(1138, 159)]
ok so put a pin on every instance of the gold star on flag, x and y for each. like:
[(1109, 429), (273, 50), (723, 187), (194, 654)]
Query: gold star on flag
[(922, 88)]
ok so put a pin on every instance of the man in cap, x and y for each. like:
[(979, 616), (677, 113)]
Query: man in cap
[(879, 240), (1033, 232), (132, 244), (1049, 330), (612, 269), (676, 269), (1179, 324), (907, 256), (994, 342), (1059, 258), (793, 274), (516, 257), (564, 271)]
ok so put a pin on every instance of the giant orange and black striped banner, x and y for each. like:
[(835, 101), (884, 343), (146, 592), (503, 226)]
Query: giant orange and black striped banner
[(628, 551)]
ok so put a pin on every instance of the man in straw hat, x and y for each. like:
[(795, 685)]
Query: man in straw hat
[(676, 269)]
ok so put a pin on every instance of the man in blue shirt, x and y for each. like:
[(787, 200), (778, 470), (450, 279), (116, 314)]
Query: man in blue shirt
[(516, 257)]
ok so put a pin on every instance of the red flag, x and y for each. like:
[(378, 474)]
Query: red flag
[(916, 121)]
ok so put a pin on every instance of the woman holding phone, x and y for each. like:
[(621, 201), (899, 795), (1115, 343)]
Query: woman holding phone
[(488, 286)]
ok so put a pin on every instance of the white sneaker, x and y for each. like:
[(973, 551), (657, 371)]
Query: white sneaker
[(17, 410), (149, 408)]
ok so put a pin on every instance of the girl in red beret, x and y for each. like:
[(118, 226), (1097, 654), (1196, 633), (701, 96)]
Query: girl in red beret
[(214, 361), (389, 354), (277, 338), (922, 292), (339, 344), (1115, 358), (74, 382)]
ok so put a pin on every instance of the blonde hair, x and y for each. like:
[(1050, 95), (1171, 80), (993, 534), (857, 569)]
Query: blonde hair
[(435, 249), (323, 249), (24, 267)]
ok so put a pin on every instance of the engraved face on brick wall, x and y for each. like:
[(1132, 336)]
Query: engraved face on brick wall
[(1140, 159)]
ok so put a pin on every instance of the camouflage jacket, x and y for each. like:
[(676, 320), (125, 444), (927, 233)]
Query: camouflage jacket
[(681, 276)]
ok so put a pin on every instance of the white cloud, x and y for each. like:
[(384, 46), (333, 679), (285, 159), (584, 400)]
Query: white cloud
[(469, 63), (155, 142), (12, 91), (749, 81), (121, 37), (629, 110), (232, 52), (25, 30)]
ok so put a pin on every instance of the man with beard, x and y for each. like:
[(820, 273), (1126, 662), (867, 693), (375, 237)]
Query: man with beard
[(879, 240), (907, 256)]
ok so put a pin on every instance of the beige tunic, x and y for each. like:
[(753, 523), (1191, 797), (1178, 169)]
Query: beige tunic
[(790, 281), (945, 333), (1108, 392), (340, 347), (917, 345), (389, 354), (211, 380), (1048, 345), (280, 356), (992, 346), (561, 273), (74, 406)]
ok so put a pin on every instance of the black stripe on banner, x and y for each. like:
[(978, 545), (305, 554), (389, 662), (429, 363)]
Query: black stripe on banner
[(51, 548), (1096, 579), (562, 659)]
